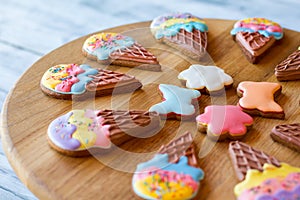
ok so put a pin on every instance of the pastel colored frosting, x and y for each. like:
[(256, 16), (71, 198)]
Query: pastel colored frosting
[(259, 95), (272, 183), (160, 179), (176, 100), (212, 78), (78, 130), (170, 24), (102, 45), (225, 119), (68, 78), (264, 26)]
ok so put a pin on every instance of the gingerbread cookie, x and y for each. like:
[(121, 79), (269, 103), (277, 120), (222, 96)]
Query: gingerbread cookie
[(71, 80), (81, 132), (289, 69), (178, 103), (258, 99), (221, 122), (172, 174), (206, 79), (182, 31), (288, 135), (118, 49), (255, 36)]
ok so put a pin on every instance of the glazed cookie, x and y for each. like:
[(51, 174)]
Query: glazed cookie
[(258, 99), (67, 81), (221, 122), (289, 69), (173, 174), (178, 103), (273, 183), (82, 132), (255, 36), (117, 49), (182, 31), (206, 79), (288, 135)]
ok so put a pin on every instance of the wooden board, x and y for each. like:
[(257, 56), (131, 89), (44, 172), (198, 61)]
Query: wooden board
[(50, 175)]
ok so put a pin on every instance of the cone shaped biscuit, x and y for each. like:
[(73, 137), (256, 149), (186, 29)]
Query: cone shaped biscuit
[(83, 132), (289, 69), (288, 135), (117, 49), (244, 158), (67, 81), (182, 31), (255, 36)]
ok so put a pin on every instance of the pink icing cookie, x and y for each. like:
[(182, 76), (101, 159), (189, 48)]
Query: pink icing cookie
[(221, 122), (258, 99)]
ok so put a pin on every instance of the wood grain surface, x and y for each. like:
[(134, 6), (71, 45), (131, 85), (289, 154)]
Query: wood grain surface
[(49, 175)]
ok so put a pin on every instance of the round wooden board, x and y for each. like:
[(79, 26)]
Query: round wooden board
[(50, 175)]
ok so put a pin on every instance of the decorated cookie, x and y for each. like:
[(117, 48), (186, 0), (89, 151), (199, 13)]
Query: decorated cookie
[(182, 31), (172, 174), (288, 135), (221, 122), (80, 132), (65, 81), (289, 69), (258, 99), (177, 102), (118, 49), (273, 183), (245, 157), (255, 36), (206, 79)]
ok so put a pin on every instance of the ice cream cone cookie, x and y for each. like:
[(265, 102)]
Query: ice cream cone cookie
[(117, 49), (179, 103), (164, 177), (206, 79), (258, 99), (65, 81), (221, 122), (274, 183), (80, 132), (255, 36), (289, 69), (182, 31)]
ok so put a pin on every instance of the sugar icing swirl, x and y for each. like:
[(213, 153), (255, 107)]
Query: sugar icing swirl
[(264, 26), (170, 24)]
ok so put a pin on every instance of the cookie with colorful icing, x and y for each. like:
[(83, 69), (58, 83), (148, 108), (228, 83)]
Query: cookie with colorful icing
[(83, 132), (182, 31), (255, 36), (288, 135), (66, 81), (206, 79), (118, 49), (221, 122), (289, 69), (257, 98), (178, 103), (273, 183), (172, 174)]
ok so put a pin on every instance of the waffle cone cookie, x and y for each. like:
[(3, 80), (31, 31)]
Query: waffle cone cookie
[(172, 174), (288, 135), (182, 31), (117, 49), (255, 36), (245, 157), (82, 132), (289, 69), (66, 81)]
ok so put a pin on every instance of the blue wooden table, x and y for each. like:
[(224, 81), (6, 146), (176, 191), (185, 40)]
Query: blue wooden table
[(30, 29)]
